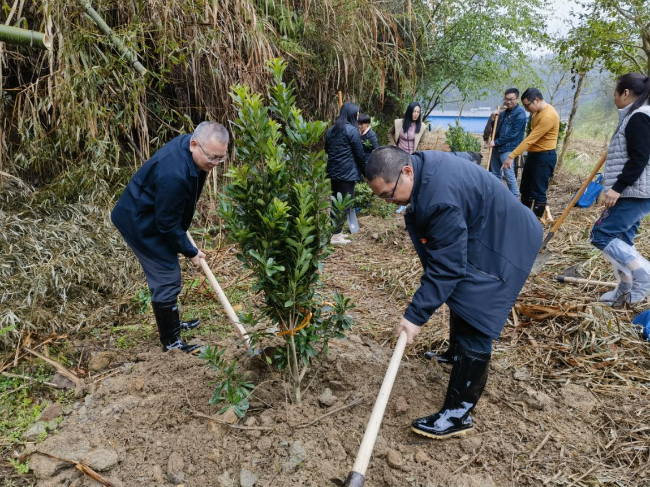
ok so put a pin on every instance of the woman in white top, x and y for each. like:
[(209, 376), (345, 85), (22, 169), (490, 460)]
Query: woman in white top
[(408, 131)]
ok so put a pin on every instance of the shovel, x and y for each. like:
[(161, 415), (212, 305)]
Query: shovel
[(543, 256), (494, 131), (239, 328), (353, 223), (571, 275), (356, 477)]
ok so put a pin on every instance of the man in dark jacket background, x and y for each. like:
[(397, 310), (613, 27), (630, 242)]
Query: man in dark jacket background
[(511, 128), (155, 211), (477, 245)]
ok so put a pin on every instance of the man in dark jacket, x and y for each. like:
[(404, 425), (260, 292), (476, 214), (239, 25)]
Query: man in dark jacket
[(511, 128), (477, 244), (155, 211)]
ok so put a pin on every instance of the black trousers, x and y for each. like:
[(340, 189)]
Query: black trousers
[(344, 188), (536, 175), (460, 331)]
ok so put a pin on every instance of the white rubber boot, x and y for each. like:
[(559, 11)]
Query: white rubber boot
[(618, 254), (339, 239)]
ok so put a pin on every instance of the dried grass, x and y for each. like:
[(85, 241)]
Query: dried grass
[(559, 335), (59, 268)]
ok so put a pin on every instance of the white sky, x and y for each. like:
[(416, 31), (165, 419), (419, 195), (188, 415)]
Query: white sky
[(560, 15)]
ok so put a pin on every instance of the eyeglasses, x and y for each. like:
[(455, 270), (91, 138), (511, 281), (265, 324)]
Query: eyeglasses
[(526, 105), (212, 159), (392, 194), (509, 100)]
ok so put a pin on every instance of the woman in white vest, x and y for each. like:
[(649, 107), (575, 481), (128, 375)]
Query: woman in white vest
[(627, 192)]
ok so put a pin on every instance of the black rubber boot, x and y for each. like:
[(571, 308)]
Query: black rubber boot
[(169, 327), (468, 377), (539, 209), (527, 202), (190, 325), (446, 357)]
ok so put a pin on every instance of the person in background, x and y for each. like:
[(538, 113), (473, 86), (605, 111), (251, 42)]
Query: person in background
[(540, 144), (368, 136), (511, 127), (626, 184), (346, 160), (456, 223), (407, 132), (154, 213)]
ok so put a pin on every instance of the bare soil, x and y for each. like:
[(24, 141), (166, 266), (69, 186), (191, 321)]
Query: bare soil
[(553, 413)]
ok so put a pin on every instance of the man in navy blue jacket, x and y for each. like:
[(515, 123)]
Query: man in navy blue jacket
[(155, 211), (477, 245), (511, 128)]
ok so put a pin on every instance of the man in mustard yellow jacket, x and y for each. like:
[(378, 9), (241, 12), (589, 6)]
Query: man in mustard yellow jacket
[(540, 144)]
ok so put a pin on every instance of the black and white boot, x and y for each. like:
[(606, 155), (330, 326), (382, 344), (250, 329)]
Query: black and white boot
[(169, 327), (190, 324), (466, 384), (446, 357)]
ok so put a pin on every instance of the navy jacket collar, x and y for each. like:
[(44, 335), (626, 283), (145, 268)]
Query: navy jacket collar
[(187, 154), (417, 160)]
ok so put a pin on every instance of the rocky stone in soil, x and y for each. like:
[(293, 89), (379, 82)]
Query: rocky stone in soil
[(401, 406), (394, 459), (100, 361), (62, 382), (224, 480), (327, 399), (35, 431), (297, 455), (45, 467), (101, 459), (247, 478), (175, 466), (157, 474), (51, 412)]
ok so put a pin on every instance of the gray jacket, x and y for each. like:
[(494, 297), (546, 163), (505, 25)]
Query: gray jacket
[(617, 156)]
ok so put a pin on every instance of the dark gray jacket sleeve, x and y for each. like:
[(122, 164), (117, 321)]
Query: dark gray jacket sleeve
[(357, 150), (446, 256)]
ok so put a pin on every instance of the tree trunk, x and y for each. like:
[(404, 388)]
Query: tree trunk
[(294, 369), (569, 128), (645, 37)]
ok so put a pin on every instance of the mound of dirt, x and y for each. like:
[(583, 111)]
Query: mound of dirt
[(566, 402)]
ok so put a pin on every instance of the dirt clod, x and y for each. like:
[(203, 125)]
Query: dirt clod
[(394, 459)]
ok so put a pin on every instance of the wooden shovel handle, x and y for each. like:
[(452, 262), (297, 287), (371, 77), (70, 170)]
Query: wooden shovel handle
[(577, 280), (357, 475), (494, 132), (579, 193), (340, 99), (239, 328)]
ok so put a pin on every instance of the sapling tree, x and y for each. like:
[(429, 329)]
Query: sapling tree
[(277, 208)]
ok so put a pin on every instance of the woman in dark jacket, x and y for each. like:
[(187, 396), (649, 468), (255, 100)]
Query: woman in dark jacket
[(345, 159)]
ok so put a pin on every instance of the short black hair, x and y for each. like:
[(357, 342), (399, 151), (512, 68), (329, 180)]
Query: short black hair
[(531, 93), (639, 84), (514, 91), (363, 118), (386, 162)]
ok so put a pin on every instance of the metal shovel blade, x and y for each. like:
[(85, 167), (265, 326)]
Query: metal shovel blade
[(353, 223), (540, 261)]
